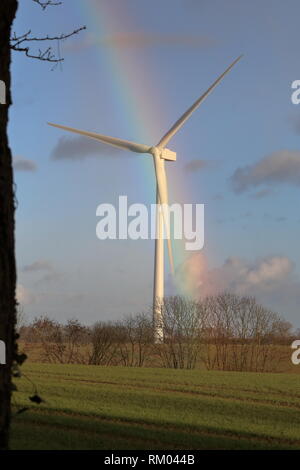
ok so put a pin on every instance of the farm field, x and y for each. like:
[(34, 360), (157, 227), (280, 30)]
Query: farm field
[(115, 408)]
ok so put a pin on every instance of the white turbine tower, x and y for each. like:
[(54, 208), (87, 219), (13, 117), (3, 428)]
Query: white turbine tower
[(160, 153)]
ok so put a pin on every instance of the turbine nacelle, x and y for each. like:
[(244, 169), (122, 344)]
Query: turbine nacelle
[(165, 154)]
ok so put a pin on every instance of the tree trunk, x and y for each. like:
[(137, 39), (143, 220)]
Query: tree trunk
[(7, 246)]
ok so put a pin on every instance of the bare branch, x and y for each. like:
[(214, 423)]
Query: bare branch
[(46, 4), (20, 43), (17, 44), (46, 55), (15, 41)]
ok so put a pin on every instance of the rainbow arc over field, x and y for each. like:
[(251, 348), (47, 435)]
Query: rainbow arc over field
[(136, 95)]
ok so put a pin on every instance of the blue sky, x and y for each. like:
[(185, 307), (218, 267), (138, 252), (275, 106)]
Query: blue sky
[(131, 74)]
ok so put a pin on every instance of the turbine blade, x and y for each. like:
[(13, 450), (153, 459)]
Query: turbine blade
[(178, 124), (123, 144), (169, 242), (163, 197)]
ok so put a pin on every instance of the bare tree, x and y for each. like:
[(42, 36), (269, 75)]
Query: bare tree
[(241, 334), (104, 344), (60, 343), (75, 337), (135, 339), (21, 319), (7, 225), (183, 325)]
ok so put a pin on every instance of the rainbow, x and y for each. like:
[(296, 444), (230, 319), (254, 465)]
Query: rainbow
[(133, 94)]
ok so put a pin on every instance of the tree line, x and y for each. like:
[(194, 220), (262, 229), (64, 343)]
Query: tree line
[(221, 332)]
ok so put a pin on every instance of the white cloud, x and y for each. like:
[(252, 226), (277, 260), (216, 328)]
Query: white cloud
[(264, 275), (24, 295)]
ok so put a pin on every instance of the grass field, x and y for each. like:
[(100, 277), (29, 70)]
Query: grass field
[(92, 407)]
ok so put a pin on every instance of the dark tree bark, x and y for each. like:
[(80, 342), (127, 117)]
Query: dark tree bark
[(7, 244)]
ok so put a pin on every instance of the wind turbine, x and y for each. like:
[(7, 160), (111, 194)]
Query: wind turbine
[(159, 153)]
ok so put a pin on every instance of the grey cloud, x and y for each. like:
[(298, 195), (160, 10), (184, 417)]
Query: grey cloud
[(280, 218), (40, 265), (52, 276), (43, 266), (78, 148), (218, 197), (195, 165), (199, 164), (262, 193), (281, 167), (23, 164)]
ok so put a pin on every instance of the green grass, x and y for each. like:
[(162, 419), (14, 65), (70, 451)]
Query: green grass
[(92, 407)]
